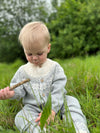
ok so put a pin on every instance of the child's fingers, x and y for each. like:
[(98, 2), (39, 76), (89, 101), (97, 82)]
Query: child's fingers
[(2, 94), (9, 93), (6, 93), (1, 91), (38, 119), (39, 123), (40, 114)]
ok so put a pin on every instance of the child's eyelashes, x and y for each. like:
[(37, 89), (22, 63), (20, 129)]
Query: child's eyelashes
[(29, 54), (38, 54)]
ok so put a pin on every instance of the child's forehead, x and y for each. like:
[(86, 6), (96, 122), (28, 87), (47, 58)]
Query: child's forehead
[(32, 51), (37, 49)]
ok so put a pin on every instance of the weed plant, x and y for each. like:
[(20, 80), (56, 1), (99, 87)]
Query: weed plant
[(83, 82)]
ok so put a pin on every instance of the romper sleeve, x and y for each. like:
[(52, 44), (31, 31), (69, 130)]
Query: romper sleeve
[(19, 91), (58, 90)]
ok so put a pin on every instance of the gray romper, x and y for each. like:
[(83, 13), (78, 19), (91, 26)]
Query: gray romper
[(49, 78)]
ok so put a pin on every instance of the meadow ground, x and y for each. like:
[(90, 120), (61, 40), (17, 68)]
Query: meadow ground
[(83, 82)]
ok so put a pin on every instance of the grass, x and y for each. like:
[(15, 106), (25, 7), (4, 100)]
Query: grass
[(83, 82)]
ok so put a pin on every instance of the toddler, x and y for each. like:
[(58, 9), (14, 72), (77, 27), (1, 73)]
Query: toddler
[(46, 76)]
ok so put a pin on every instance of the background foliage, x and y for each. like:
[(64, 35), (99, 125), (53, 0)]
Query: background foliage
[(74, 26), (13, 16), (75, 29)]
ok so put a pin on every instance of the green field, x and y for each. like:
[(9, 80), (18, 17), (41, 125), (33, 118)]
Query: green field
[(83, 82)]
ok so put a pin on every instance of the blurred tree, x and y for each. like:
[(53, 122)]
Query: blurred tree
[(75, 29), (14, 14)]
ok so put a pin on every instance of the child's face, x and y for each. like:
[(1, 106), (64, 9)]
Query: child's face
[(37, 55)]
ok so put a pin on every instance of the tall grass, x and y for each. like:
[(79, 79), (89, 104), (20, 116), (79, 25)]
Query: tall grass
[(8, 109), (83, 82)]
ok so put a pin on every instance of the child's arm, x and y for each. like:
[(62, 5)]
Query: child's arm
[(58, 88), (18, 77), (6, 93)]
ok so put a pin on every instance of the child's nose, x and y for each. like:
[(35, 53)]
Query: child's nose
[(35, 57)]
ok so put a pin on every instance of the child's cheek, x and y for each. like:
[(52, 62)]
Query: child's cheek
[(29, 58), (43, 58)]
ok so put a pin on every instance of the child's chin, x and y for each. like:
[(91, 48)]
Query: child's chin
[(37, 64)]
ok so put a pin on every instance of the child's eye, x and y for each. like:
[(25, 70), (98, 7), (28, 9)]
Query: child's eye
[(40, 54), (29, 54)]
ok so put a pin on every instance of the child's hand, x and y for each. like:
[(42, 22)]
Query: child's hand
[(50, 118), (38, 119), (6, 93)]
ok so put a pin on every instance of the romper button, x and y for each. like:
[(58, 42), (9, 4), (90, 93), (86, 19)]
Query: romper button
[(42, 80), (43, 94)]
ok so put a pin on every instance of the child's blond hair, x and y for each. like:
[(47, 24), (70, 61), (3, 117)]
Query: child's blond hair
[(34, 33)]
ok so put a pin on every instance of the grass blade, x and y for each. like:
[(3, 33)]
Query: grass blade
[(46, 112)]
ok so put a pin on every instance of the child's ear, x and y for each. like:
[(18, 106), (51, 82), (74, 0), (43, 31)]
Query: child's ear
[(49, 47)]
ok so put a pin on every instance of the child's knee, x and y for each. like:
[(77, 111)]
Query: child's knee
[(72, 101), (25, 123), (75, 109), (18, 121)]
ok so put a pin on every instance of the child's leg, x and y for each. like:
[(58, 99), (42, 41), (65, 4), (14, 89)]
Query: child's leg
[(78, 117), (25, 120)]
